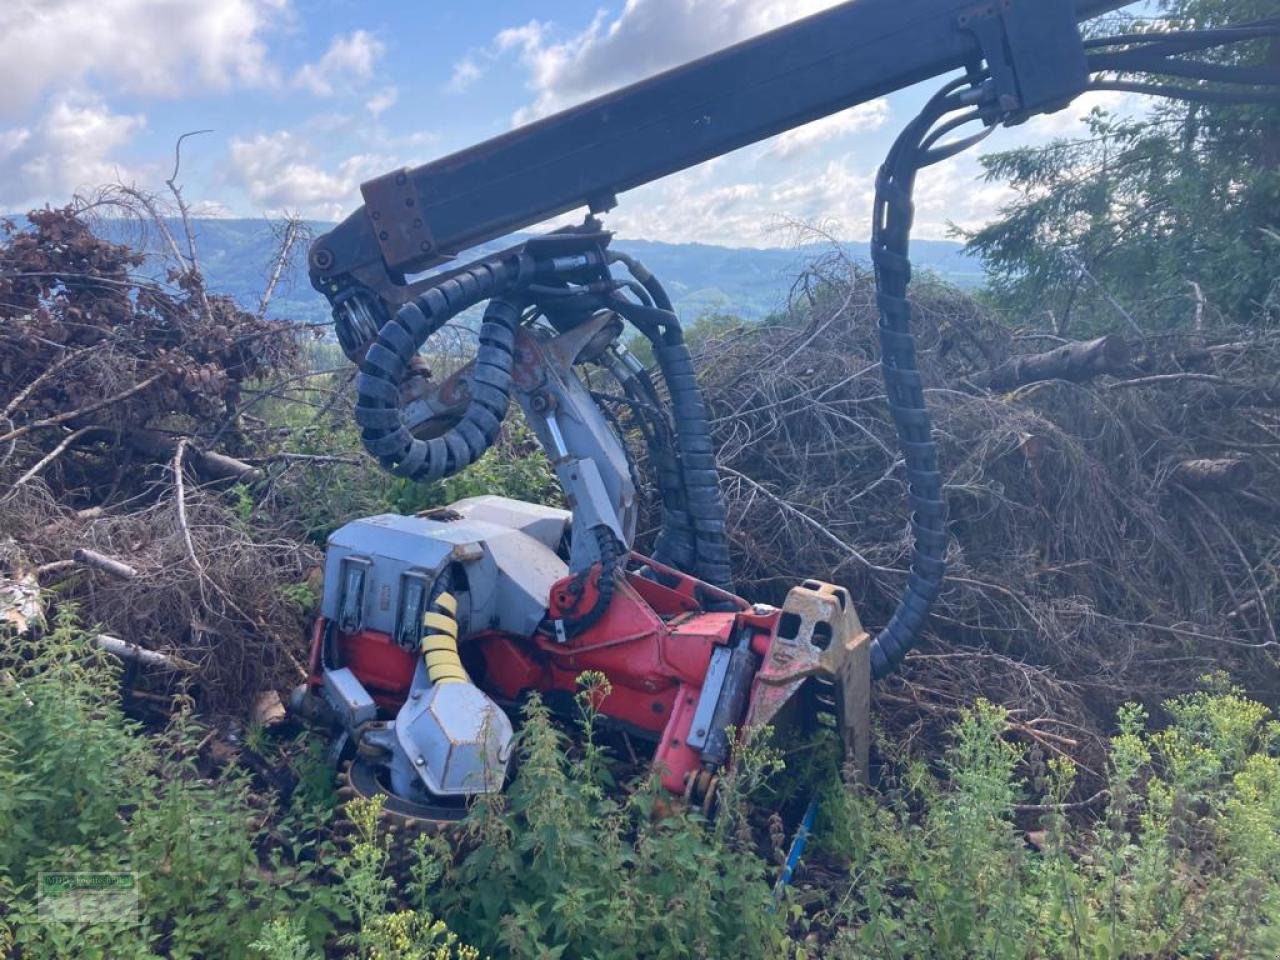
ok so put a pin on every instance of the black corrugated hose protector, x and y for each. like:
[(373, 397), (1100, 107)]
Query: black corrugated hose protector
[(387, 360), (890, 239)]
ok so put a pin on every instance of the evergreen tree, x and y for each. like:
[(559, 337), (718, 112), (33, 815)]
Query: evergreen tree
[(1168, 217)]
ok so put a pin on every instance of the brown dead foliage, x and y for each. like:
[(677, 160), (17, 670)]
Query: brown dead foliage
[(1082, 573), (95, 359), (80, 328)]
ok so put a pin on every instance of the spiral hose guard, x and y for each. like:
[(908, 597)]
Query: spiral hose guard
[(440, 640), (387, 361), (904, 388)]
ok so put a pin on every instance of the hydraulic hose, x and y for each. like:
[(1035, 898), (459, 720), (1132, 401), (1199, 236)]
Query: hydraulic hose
[(918, 147), (702, 513), (904, 388), (440, 640), (611, 556), (674, 545), (703, 501), (386, 364)]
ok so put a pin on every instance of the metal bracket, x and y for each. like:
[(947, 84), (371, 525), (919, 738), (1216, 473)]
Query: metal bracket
[(398, 218), (819, 635), (1033, 51)]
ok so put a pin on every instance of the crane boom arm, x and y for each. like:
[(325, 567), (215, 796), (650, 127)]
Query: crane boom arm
[(414, 219)]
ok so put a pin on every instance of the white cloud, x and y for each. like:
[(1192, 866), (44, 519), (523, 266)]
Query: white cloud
[(141, 46), (523, 41), (382, 101), (841, 195), (646, 37), (349, 57), (955, 193), (278, 172), (871, 115), (697, 206), (465, 72), (708, 205), (1069, 122), (528, 39), (68, 149), (211, 210)]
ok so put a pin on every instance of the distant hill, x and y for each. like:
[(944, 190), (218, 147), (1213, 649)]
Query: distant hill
[(746, 282)]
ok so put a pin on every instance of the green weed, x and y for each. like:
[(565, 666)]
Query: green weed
[(1183, 862)]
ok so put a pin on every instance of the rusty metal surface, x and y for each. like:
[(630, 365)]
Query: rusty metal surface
[(397, 217), (819, 635)]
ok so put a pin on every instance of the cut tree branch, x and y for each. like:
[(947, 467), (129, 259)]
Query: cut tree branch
[(1213, 475), (1076, 361), (162, 447), (109, 565), (151, 658)]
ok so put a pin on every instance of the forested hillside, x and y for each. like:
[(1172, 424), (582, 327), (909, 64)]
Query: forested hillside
[(236, 256)]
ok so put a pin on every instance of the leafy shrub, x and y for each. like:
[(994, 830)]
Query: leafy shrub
[(1180, 858), (1185, 861), (344, 483), (82, 789), (515, 466), (562, 867), (380, 932)]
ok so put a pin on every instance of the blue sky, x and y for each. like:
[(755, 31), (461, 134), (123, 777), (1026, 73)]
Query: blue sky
[(307, 98)]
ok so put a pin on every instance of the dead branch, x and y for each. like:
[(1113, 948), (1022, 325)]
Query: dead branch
[(148, 202), (1075, 362), (56, 566), (1197, 321), (1167, 378), (293, 231), (1062, 807), (1065, 557), (180, 500), (47, 374), (125, 650), (104, 563), (161, 447), (809, 521), (193, 260), (53, 454), (62, 418), (315, 458), (1213, 475), (1232, 395)]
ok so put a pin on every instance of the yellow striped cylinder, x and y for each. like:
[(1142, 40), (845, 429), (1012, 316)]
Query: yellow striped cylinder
[(440, 641)]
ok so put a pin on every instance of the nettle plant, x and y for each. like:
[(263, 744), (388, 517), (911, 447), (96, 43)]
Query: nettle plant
[(83, 788), (565, 865), (1184, 860)]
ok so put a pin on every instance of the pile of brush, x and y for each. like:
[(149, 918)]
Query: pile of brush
[(123, 424), (1114, 502)]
